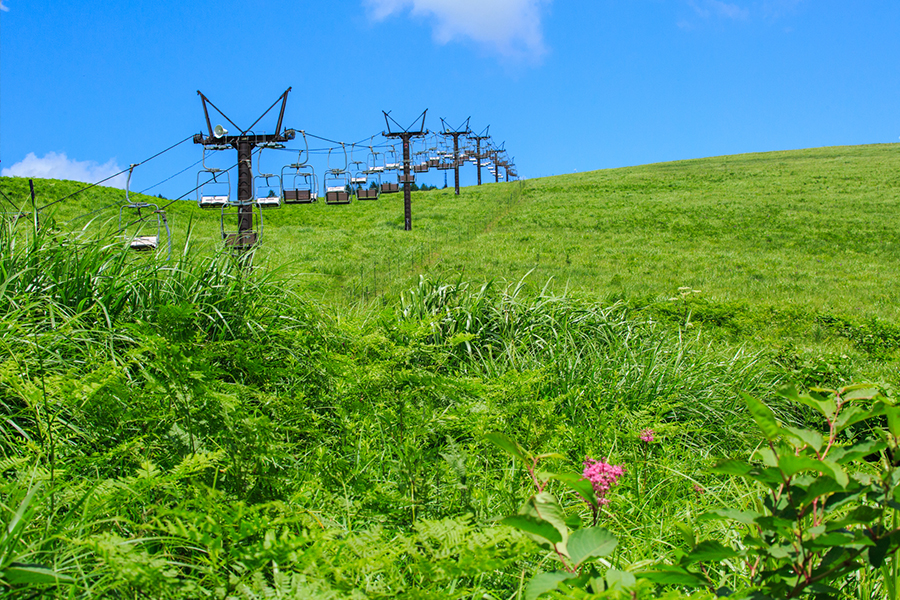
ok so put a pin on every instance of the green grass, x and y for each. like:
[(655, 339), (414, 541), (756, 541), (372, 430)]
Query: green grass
[(314, 426), (791, 251), (816, 228)]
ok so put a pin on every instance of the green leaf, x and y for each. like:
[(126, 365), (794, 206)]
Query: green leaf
[(850, 415), (820, 487), (893, 419), (590, 542), (31, 574), (747, 517), (860, 391), (543, 583), (844, 455), (811, 438), (534, 526), (543, 507), (791, 464), (829, 467), (825, 407), (619, 580), (579, 485), (709, 550), (507, 444), (732, 466), (669, 575), (764, 417), (687, 534)]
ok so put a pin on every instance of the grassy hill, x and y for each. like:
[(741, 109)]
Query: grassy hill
[(315, 427), (796, 248), (815, 227)]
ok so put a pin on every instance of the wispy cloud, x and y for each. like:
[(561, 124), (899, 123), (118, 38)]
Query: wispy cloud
[(3, 7), (775, 9), (60, 166), (707, 9), (509, 27)]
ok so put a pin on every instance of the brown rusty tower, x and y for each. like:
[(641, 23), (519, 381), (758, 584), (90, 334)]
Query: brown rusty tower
[(406, 178), (446, 131), (244, 142)]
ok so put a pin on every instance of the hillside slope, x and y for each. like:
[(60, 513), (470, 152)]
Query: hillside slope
[(816, 228)]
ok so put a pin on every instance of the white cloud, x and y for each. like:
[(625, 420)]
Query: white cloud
[(775, 9), (510, 27), (3, 7), (709, 8), (59, 166)]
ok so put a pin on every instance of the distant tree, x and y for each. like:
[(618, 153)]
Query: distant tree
[(271, 193)]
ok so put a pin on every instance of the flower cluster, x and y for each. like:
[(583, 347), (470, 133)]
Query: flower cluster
[(602, 476), (647, 435)]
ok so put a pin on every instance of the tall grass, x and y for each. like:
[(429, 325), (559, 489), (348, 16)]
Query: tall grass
[(196, 428)]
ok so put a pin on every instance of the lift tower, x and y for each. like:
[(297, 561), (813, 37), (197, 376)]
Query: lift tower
[(481, 136), (406, 135), (498, 162), (455, 133), (244, 142)]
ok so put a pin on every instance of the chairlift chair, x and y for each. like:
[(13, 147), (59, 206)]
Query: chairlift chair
[(267, 193), (148, 222), (337, 182), (358, 173), (392, 160), (372, 192), (146, 237), (391, 163), (241, 241), (359, 181), (213, 184), (304, 186), (431, 154), (374, 164), (421, 161)]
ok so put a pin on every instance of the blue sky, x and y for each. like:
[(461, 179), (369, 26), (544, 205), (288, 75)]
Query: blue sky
[(569, 85)]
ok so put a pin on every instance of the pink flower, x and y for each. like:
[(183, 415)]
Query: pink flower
[(647, 435), (602, 476)]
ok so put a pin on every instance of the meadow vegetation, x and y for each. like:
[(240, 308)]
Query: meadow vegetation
[(350, 416)]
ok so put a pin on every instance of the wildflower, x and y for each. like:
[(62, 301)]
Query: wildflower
[(699, 489), (602, 476), (647, 435)]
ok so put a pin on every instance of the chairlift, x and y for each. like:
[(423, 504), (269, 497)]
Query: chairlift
[(371, 192), (337, 182), (267, 192), (357, 170), (391, 163), (421, 161), (431, 154), (234, 212), (298, 180), (392, 160), (360, 183), (374, 164), (358, 178), (213, 184), (389, 187), (148, 222)]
